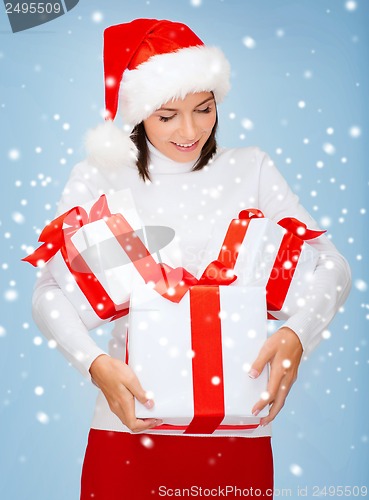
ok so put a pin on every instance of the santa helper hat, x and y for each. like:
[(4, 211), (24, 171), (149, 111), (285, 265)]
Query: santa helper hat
[(147, 63)]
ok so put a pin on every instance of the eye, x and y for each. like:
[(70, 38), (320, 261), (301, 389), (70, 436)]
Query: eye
[(165, 118), (205, 110)]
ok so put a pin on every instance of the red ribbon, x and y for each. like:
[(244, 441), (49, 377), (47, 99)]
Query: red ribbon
[(208, 397), (56, 237), (207, 365), (53, 235), (286, 260), (206, 342), (205, 307), (173, 284), (206, 337)]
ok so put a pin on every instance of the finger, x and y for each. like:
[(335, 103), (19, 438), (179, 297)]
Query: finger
[(133, 385), (124, 408), (278, 403), (141, 425), (274, 383), (260, 362)]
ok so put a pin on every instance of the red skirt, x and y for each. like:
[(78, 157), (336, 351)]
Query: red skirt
[(124, 466)]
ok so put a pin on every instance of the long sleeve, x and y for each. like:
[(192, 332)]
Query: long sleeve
[(52, 312), (57, 320), (332, 278)]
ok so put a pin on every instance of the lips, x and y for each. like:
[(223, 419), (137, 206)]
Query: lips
[(185, 145), (191, 146)]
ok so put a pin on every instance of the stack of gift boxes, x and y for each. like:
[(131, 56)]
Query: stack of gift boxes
[(190, 341)]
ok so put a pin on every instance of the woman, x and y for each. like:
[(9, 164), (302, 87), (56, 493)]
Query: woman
[(168, 85)]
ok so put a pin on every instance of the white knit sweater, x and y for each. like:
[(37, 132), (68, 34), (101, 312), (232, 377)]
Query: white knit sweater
[(198, 206)]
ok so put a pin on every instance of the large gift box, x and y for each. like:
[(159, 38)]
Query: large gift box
[(193, 356), (97, 252), (276, 256)]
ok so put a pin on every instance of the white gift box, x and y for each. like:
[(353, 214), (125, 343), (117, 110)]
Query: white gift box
[(160, 352), (256, 264), (99, 249)]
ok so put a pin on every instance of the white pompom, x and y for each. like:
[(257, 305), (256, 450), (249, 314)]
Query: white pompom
[(108, 146)]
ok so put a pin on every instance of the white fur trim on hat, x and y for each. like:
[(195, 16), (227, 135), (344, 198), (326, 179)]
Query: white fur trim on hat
[(108, 146), (170, 76)]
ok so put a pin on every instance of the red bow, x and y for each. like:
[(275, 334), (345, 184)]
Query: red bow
[(292, 225), (54, 235), (176, 282)]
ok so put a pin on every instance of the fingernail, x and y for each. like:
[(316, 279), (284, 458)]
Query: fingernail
[(256, 413), (253, 373), (149, 403), (158, 422)]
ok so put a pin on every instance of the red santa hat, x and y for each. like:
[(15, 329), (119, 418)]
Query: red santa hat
[(147, 63)]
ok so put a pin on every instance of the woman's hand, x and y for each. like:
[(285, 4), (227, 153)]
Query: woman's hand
[(120, 386), (283, 350)]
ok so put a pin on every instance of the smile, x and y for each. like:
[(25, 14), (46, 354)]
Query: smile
[(185, 145), (186, 148)]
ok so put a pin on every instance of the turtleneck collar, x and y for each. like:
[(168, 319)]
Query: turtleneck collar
[(161, 164)]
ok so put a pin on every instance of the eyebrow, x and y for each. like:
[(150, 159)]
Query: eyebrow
[(200, 104)]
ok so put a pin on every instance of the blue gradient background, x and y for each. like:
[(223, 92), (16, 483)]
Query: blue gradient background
[(321, 437)]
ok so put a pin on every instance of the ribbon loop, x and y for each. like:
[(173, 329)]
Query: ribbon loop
[(299, 228), (292, 225), (53, 235), (100, 209), (170, 283), (255, 214), (76, 218), (217, 273)]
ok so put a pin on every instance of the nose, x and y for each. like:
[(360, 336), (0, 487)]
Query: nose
[(188, 127)]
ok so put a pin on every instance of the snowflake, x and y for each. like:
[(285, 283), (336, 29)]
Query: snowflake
[(249, 42), (296, 470)]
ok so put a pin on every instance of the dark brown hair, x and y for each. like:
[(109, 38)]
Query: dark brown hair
[(138, 136)]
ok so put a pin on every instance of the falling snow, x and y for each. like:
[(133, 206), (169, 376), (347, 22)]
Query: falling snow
[(351, 5), (326, 334), (249, 42), (18, 218), (97, 17), (14, 154), (247, 124), (11, 295), (328, 148), (314, 144), (147, 442), (355, 131), (361, 285), (296, 470), (39, 391), (42, 417)]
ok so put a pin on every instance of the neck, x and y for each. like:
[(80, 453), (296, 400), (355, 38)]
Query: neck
[(161, 164)]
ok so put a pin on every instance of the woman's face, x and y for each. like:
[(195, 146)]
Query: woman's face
[(180, 128)]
